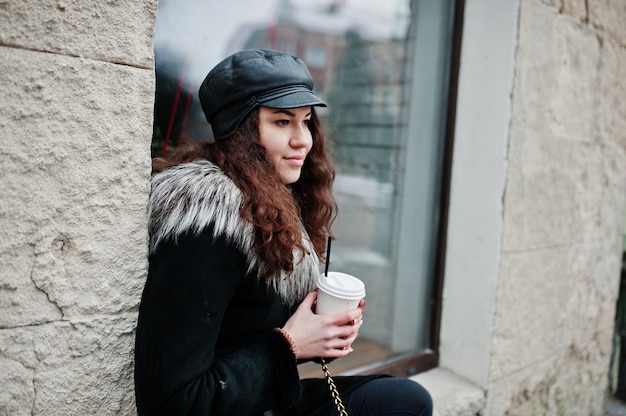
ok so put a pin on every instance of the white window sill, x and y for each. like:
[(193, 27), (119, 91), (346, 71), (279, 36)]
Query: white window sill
[(452, 395)]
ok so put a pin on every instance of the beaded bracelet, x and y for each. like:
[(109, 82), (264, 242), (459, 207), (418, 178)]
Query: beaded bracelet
[(292, 346)]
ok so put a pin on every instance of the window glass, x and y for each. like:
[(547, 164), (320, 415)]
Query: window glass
[(382, 66)]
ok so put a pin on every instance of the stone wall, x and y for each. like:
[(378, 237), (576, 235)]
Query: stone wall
[(75, 130), (564, 207)]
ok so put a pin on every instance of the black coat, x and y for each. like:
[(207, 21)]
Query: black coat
[(206, 342)]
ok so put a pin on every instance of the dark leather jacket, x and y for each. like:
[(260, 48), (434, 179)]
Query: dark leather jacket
[(206, 342)]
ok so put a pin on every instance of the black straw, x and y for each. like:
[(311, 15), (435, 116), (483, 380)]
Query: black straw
[(327, 255)]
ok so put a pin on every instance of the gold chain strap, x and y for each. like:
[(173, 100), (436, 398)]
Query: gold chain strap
[(333, 390)]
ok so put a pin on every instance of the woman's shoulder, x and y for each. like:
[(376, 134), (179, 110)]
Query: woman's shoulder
[(192, 196), (193, 173)]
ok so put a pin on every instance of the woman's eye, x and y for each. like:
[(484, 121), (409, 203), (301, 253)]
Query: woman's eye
[(282, 122), (307, 123)]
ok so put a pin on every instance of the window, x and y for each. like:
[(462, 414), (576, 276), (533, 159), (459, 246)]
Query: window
[(385, 69)]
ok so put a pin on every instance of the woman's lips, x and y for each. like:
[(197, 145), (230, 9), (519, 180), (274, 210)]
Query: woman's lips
[(295, 160)]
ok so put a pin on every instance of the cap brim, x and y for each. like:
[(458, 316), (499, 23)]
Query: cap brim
[(293, 97)]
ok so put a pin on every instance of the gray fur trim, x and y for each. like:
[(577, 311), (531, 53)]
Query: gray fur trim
[(193, 196)]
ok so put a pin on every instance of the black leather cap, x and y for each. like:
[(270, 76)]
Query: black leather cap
[(253, 78)]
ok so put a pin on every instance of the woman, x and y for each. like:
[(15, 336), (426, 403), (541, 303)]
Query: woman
[(237, 230)]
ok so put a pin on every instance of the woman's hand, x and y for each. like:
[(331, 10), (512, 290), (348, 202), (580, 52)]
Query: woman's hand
[(325, 336)]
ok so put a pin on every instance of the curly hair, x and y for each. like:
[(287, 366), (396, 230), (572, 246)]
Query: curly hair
[(277, 211)]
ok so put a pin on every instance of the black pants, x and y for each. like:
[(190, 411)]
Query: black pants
[(387, 397)]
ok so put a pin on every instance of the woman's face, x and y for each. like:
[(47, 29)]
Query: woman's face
[(287, 140)]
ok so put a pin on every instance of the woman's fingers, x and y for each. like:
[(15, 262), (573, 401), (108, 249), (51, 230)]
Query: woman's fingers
[(308, 301), (349, 330), (345, 336), (323, 335), (346, 318), (340, 346)]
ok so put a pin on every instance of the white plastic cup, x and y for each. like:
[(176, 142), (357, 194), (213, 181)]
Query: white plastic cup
[(338, 292)]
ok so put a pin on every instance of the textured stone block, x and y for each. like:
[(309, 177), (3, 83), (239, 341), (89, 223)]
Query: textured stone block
[(76, 170), (569, 382), (534, 291), (21, 300), (68, 369), (75, 129), (576, 9), (111, 30), (561, 191), (610, 109), (557, 74), (554, 300), (608, 16)]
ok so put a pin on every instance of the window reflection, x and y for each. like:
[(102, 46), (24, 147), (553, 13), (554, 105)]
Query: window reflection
[(359, 54)]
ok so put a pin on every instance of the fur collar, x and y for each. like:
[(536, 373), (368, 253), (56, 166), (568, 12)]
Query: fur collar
[(193, 196)]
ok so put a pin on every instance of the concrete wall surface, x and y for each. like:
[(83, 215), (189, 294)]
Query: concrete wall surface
[(537, 204), (75, 129), (564, 204)]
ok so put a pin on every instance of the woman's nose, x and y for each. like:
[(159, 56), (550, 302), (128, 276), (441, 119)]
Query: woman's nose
[(300, 137)]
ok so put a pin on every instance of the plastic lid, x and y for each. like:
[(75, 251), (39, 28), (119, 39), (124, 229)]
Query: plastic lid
[(342, 285)]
